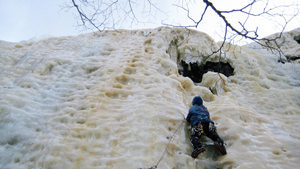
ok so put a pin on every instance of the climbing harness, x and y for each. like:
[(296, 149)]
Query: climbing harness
[(167, 146)]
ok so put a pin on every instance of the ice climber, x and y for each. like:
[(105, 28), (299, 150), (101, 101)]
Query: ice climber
[(201, 124)]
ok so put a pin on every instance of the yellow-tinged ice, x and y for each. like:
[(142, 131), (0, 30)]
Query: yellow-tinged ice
[(114, 99)]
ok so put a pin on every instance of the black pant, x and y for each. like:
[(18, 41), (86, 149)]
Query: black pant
[(207, 129)]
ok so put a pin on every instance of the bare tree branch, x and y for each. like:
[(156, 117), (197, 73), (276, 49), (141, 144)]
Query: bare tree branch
[(102, 14), (83, 17), (243, 31)]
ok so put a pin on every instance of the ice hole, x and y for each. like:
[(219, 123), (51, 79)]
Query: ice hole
[(297, 38), (195, 71), (13, 141)]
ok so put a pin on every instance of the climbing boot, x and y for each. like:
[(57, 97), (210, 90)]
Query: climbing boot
[(197, 151), (220, 147)]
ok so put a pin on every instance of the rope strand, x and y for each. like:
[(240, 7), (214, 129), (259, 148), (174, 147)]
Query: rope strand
[(164, 152)]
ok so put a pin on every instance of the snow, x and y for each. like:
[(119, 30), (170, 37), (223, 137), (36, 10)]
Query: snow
[(114, 99)]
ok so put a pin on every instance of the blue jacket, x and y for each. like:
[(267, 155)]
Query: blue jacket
[(198, 112)]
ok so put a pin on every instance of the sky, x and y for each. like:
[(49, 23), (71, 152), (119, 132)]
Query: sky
[(35, 19), (27, 19)]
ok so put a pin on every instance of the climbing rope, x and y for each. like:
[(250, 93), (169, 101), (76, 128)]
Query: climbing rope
[(167, 146)]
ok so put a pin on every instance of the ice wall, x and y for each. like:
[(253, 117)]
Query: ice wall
[(114, 99)]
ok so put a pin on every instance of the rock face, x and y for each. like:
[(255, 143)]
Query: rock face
[(114, 99)]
